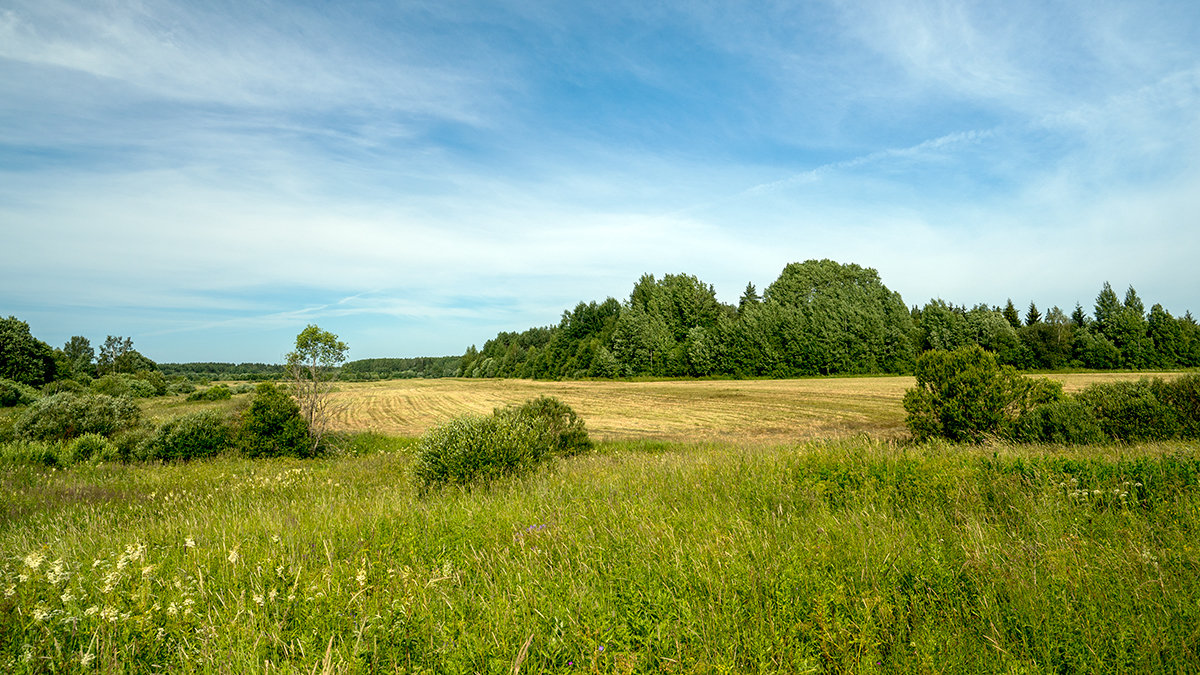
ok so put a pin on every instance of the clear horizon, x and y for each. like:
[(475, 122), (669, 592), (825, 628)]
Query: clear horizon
[(416, 178)]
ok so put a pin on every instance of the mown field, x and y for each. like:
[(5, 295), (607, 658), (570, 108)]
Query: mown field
[(742, 411), (740, 546)]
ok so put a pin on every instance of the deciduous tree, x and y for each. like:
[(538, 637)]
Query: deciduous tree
[(313, 368)]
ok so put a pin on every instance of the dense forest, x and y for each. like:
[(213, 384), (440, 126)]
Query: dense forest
[(821, 318)]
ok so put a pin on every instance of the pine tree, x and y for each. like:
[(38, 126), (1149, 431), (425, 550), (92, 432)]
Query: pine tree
[(1033, 315), (1010, 314)]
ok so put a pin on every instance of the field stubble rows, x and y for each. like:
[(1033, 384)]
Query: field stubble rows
[(743, 411)]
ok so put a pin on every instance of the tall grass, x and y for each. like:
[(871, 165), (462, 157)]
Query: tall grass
[(641, 557)]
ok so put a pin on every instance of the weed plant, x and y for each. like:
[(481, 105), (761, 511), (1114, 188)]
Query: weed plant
[(850, 556)]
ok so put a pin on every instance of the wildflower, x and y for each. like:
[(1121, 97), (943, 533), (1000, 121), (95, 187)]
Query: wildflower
[(40, 613), (147, 571), (56, 574), (160, 634), (258, 599), (189, 543), (10, 591), (172, 609), (67, 597), (233, 556), (22, 578), (97, 562), (91, 610), (109, 614), (85, 659), (272, 595), (34, 560), (361, 577)]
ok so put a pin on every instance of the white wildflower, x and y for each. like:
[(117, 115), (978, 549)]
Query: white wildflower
[(90, 611), (189, 543), (258, 599), (34, 560), (86, 659), (40, 613), (233, 556), (67, 597)]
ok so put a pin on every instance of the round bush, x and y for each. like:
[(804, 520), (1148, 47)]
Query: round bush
[(272, 426), (558, 427), (477, 449), (89, 447), (14, 393), (67, 415), (201, 434), (177, 388)]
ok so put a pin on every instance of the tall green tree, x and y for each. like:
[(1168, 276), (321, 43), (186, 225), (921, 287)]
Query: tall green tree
[(80, 355), (313, 367), (1010, 314), (114, 347), (847, 320), (1033, 315), (24, 358)]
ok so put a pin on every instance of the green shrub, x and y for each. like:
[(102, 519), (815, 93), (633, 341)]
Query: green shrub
[(1130, 411), (134, 443), (59, 386), (201, 434), (177, 388), (219, 392), (472, 449), (1065, 422), (965, 395), (41, 453), (67, 415), (91, 447), (1183, 395), (272, 425), (14, 393), (558, 427)]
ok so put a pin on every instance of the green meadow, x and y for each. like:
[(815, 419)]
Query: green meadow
[(853, 555)]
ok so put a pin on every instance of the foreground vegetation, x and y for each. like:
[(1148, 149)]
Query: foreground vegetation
[(827, 557)]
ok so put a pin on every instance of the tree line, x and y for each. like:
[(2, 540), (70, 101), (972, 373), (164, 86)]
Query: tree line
[(821, 317)]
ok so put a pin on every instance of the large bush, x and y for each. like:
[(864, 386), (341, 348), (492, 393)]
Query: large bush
[(557, 425), (965, 395), (272, 425), (201, 434), (66, 415), (1182, 394), (471, 448), (1064, 422), (1131, 411), (15, 393), (512, 441)]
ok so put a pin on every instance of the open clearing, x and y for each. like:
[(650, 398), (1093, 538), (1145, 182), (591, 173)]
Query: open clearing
[(743, 411)]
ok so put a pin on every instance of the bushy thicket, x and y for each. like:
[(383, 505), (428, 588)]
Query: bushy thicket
[(200, 434), (13, 393), (66, 415), (272, 426), (511, 441), (964, 395), (218, 392)]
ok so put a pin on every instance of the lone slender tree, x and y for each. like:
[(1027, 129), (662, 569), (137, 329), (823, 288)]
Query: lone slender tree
[(313, 368)]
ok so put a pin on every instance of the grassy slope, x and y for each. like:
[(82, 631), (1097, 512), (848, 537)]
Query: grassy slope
[(855, 555), (733, 555)]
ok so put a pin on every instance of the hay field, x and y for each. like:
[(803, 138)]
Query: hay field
[(766, 411)]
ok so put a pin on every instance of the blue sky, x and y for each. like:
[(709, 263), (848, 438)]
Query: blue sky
[(209, 177)]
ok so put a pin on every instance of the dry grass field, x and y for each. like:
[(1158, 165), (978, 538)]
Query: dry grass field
[(767, 411)]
